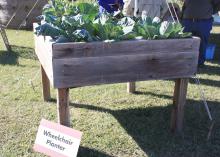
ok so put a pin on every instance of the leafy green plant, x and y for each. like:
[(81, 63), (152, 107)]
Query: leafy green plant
[(65, 22)]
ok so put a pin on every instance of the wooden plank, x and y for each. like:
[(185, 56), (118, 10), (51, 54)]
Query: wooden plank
[(74, 72), (46, 85), (131, 87), (43, 50), (179, 101), (98, 49), (63, 107)]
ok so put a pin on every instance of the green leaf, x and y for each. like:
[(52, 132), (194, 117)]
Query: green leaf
[(88, 10), (128, 36), (80, 22), (81, 35), (48, 30)]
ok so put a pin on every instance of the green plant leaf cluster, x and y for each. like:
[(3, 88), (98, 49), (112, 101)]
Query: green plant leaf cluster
[(80, 22)]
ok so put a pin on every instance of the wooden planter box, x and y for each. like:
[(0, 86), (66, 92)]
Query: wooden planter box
[(67, 65)]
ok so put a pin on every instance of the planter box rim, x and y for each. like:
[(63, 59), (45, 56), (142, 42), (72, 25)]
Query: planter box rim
[(124, 41)]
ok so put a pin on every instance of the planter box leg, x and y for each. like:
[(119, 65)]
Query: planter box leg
[(179, 101), (131, 87), (63, 106), (46, 85)]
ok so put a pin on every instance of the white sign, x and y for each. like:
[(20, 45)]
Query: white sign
[(56, 140)]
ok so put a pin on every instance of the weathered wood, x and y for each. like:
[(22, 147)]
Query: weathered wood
[(131, 87), (45, 84), (43, 49), (81, 64), (98, 49), (75, 72), (63, 106), (179, 101)]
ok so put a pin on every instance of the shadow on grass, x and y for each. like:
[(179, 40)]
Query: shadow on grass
[(24, 52), (11, 58), (87, 152), (210, 70), (8, 58), (150, 128), (207, 82)]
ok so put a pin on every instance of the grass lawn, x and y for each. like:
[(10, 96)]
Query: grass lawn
[(113, 122)]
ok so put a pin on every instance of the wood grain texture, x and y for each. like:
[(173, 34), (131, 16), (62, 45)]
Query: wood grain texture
[(75, 72), (70, 65), (43, 50), (179, 100), (46, 85), (63, 106), (98, 49), (80, 64)]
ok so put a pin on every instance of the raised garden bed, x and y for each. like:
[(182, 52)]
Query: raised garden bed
[(67, 65)]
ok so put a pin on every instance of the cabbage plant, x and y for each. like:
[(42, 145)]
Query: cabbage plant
[(81, 22)]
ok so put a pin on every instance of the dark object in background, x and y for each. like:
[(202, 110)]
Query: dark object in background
[(20, 8), (197, 18)]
